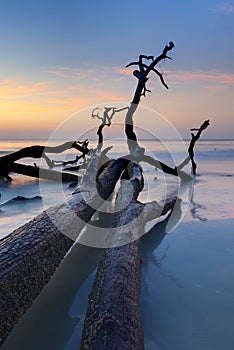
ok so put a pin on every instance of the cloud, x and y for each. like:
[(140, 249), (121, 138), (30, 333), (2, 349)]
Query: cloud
[(189, 76), (70, 72), (123, 71), (202, 76), (9, 82), (22, 97), (16, 88), (97, 73), (225, 7)]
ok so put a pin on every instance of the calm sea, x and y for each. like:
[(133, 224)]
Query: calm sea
[(187, 292)]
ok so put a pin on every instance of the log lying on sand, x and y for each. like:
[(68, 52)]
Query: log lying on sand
[(46, 174), (113, 315), (30, 254)]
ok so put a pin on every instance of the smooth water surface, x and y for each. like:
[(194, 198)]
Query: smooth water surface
[(187, 293)]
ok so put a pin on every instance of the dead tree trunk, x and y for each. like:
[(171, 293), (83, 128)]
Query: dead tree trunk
[(113, 315), (142, 76), (30, 254), (136, 152)]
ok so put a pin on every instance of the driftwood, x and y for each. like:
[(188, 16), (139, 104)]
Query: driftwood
[(113, 315), (108, 323), (41, 173), (142, 76), (194, 139), (30, 255), (7, 162), (137, 153)]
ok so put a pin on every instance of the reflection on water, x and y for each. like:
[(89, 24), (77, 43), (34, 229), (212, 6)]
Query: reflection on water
[(195, 210), (187, 295)]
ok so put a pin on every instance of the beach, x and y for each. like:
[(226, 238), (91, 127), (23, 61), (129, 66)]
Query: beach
[(187, 289)]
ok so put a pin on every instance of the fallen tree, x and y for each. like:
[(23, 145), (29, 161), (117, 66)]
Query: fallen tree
[(47, 174), (30, 255), (8, 165), (113, 316)]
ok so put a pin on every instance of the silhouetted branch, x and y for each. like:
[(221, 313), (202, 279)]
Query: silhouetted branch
[(142, 76), (84, 144), (38, 151), (193, 141), (160, 77), (48, 174), (192, 145), (144, 70), (106, 119)]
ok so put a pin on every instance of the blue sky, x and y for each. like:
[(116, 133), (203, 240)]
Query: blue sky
[(59, 57)]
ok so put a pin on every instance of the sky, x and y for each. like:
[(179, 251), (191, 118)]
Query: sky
[(65, 56)]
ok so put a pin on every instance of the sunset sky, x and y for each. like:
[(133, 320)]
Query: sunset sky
[(59, 57)]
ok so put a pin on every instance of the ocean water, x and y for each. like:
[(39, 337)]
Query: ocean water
[(187, 289)]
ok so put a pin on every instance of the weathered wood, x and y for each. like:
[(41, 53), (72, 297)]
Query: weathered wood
[(137, 153), (144, 70), (191, 146), (113, 315), (37, 151), (41, 173), (30, 254)]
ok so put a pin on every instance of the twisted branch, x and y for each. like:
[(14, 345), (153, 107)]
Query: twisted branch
[(144, 70)]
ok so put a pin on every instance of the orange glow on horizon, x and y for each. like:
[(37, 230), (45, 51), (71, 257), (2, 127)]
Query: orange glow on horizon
[(28, 107)]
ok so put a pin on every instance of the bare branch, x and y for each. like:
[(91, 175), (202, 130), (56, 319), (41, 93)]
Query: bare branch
[(140, 63), (144, 70), (192, 145), (106, 119), (161, 77)]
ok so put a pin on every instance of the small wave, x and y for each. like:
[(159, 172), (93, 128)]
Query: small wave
[(18, 199), (215, 173)]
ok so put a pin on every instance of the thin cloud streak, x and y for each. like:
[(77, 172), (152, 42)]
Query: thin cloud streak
[(70, 72), (181, 76), (19, 96), (15, 88), (87, 73), (226, 7), (210, 76)]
